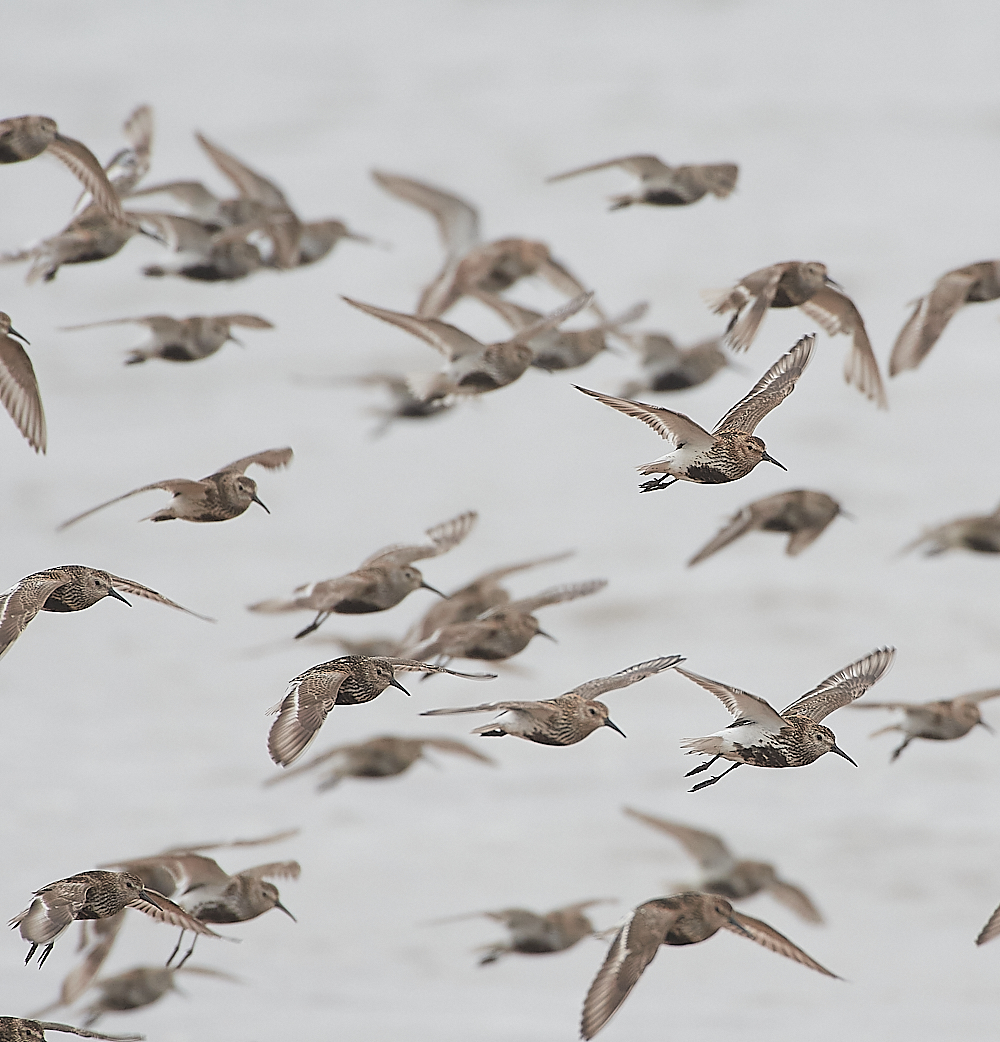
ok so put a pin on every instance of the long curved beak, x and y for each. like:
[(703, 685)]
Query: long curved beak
[(112, 592), (844, 513), (13, 332), (840, 752), (254, 499), (548, 636), (739, 926), (147, 896), (235, 341), (610, 723), (770, 459), (395, 683), (830, 282), (983, 723), (278, 904), (427, 586)]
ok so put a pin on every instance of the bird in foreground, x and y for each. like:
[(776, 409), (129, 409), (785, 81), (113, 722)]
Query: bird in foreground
[(681, 919), (668, 367), (20, 1029), (93, 895), (731, 451), (531, 933), (182, 339), (24, 137), (472, 367), (980, 534), (67, 587), (567, 719), (805, 285), (556, 349), (761, 736), (664, 185), (351, 680), (378, 583), (500, 632), (19, 392), (724, 875), (802, 513), (382, 757), (969, 285), (939, 721), (472, 266), (218, 497)]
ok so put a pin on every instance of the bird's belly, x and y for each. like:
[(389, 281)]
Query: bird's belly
[(706, 474), (177, 353), (782, 300), (357, 606), (664, 197), (675, 380), (53, 603)]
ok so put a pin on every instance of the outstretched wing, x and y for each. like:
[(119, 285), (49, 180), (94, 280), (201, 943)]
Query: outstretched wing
[(457, 220), (773, 941), (553, 318), (741, 704), (844, 686), (47, 1025), (270, 459), (642, 166), (249, 183), (21, 603), (451, 745), (89, 172), (632, 675), (675, 427), (991, 929), (979, 696), (129, 586), (194, 490), (537, 710), (273, 870), (705, 847), (446, 338), (769, 391), (739, 524), (443, 537), (163, 910), (796, 899), (554, 595), (19, 392), (301, 714), (931, 314), (408, 665)]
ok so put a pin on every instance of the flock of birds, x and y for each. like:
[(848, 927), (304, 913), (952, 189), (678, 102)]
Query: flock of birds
[(231, 238)]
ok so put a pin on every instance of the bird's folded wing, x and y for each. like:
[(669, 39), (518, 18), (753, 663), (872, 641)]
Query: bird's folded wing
[(448, 339), (90, 173), (129, 586), (844, 686), (248, 182), (625, 677), (271, 459), (795, 899), (165, 911), (769, 391), (643, 166), (741, 704), (457, 220), (194, 490), (773, 941), (706, 848), (931, 314), (554, 595), (737, 525), (675, 427), (19, 392)]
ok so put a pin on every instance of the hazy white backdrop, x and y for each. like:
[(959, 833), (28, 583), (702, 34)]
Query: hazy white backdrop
[(868, 137)]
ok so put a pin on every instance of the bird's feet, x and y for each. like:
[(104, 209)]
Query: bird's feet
[(660, 482)]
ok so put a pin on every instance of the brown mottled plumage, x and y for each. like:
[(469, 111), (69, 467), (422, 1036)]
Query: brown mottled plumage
[(979, 533), (20, 1029), (140, 987), (19, 392)]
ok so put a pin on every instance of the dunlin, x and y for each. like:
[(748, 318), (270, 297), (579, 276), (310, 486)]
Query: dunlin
[(682, 919), (731, 451), (668, 367), (218, 256), (182, 339), (223, 495), (979, 533), (20, 1029), (805, 285), (938, 721), (351, 680), (761, 736), (141, 987), (802, 513), (472, 367), (968, 285), (726, 876), (503, 631), (406, 403), (664, 185), (379, 583), (24, 137), (470, 265), (93, 895), (19, 392), (567, 719), (383, 757), (67, 587), (534, 934)]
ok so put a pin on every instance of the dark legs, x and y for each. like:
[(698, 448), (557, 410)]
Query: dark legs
[(321, 617), (718, 777), (187, 954), (660, 482), (702, 766), (177, 948), (899, 749)]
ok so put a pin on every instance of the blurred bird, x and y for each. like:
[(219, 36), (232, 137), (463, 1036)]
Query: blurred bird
[(668, 367), (806, 285), (968, 285), (383, 757), (141, 987), (682, 919), (722, 874), (405, 402), (24, 137), (20, 1029), (93, 895), (501, 632), (567, 719), (352, 680), (761, 736), (182, 339), (534, 934), (664, 185), (938, 721), (379, 583), (802, 513), (980, 533), (19, 392), (472, 367), (471, 265), (731, 451), (67, 587), (223, 495)]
